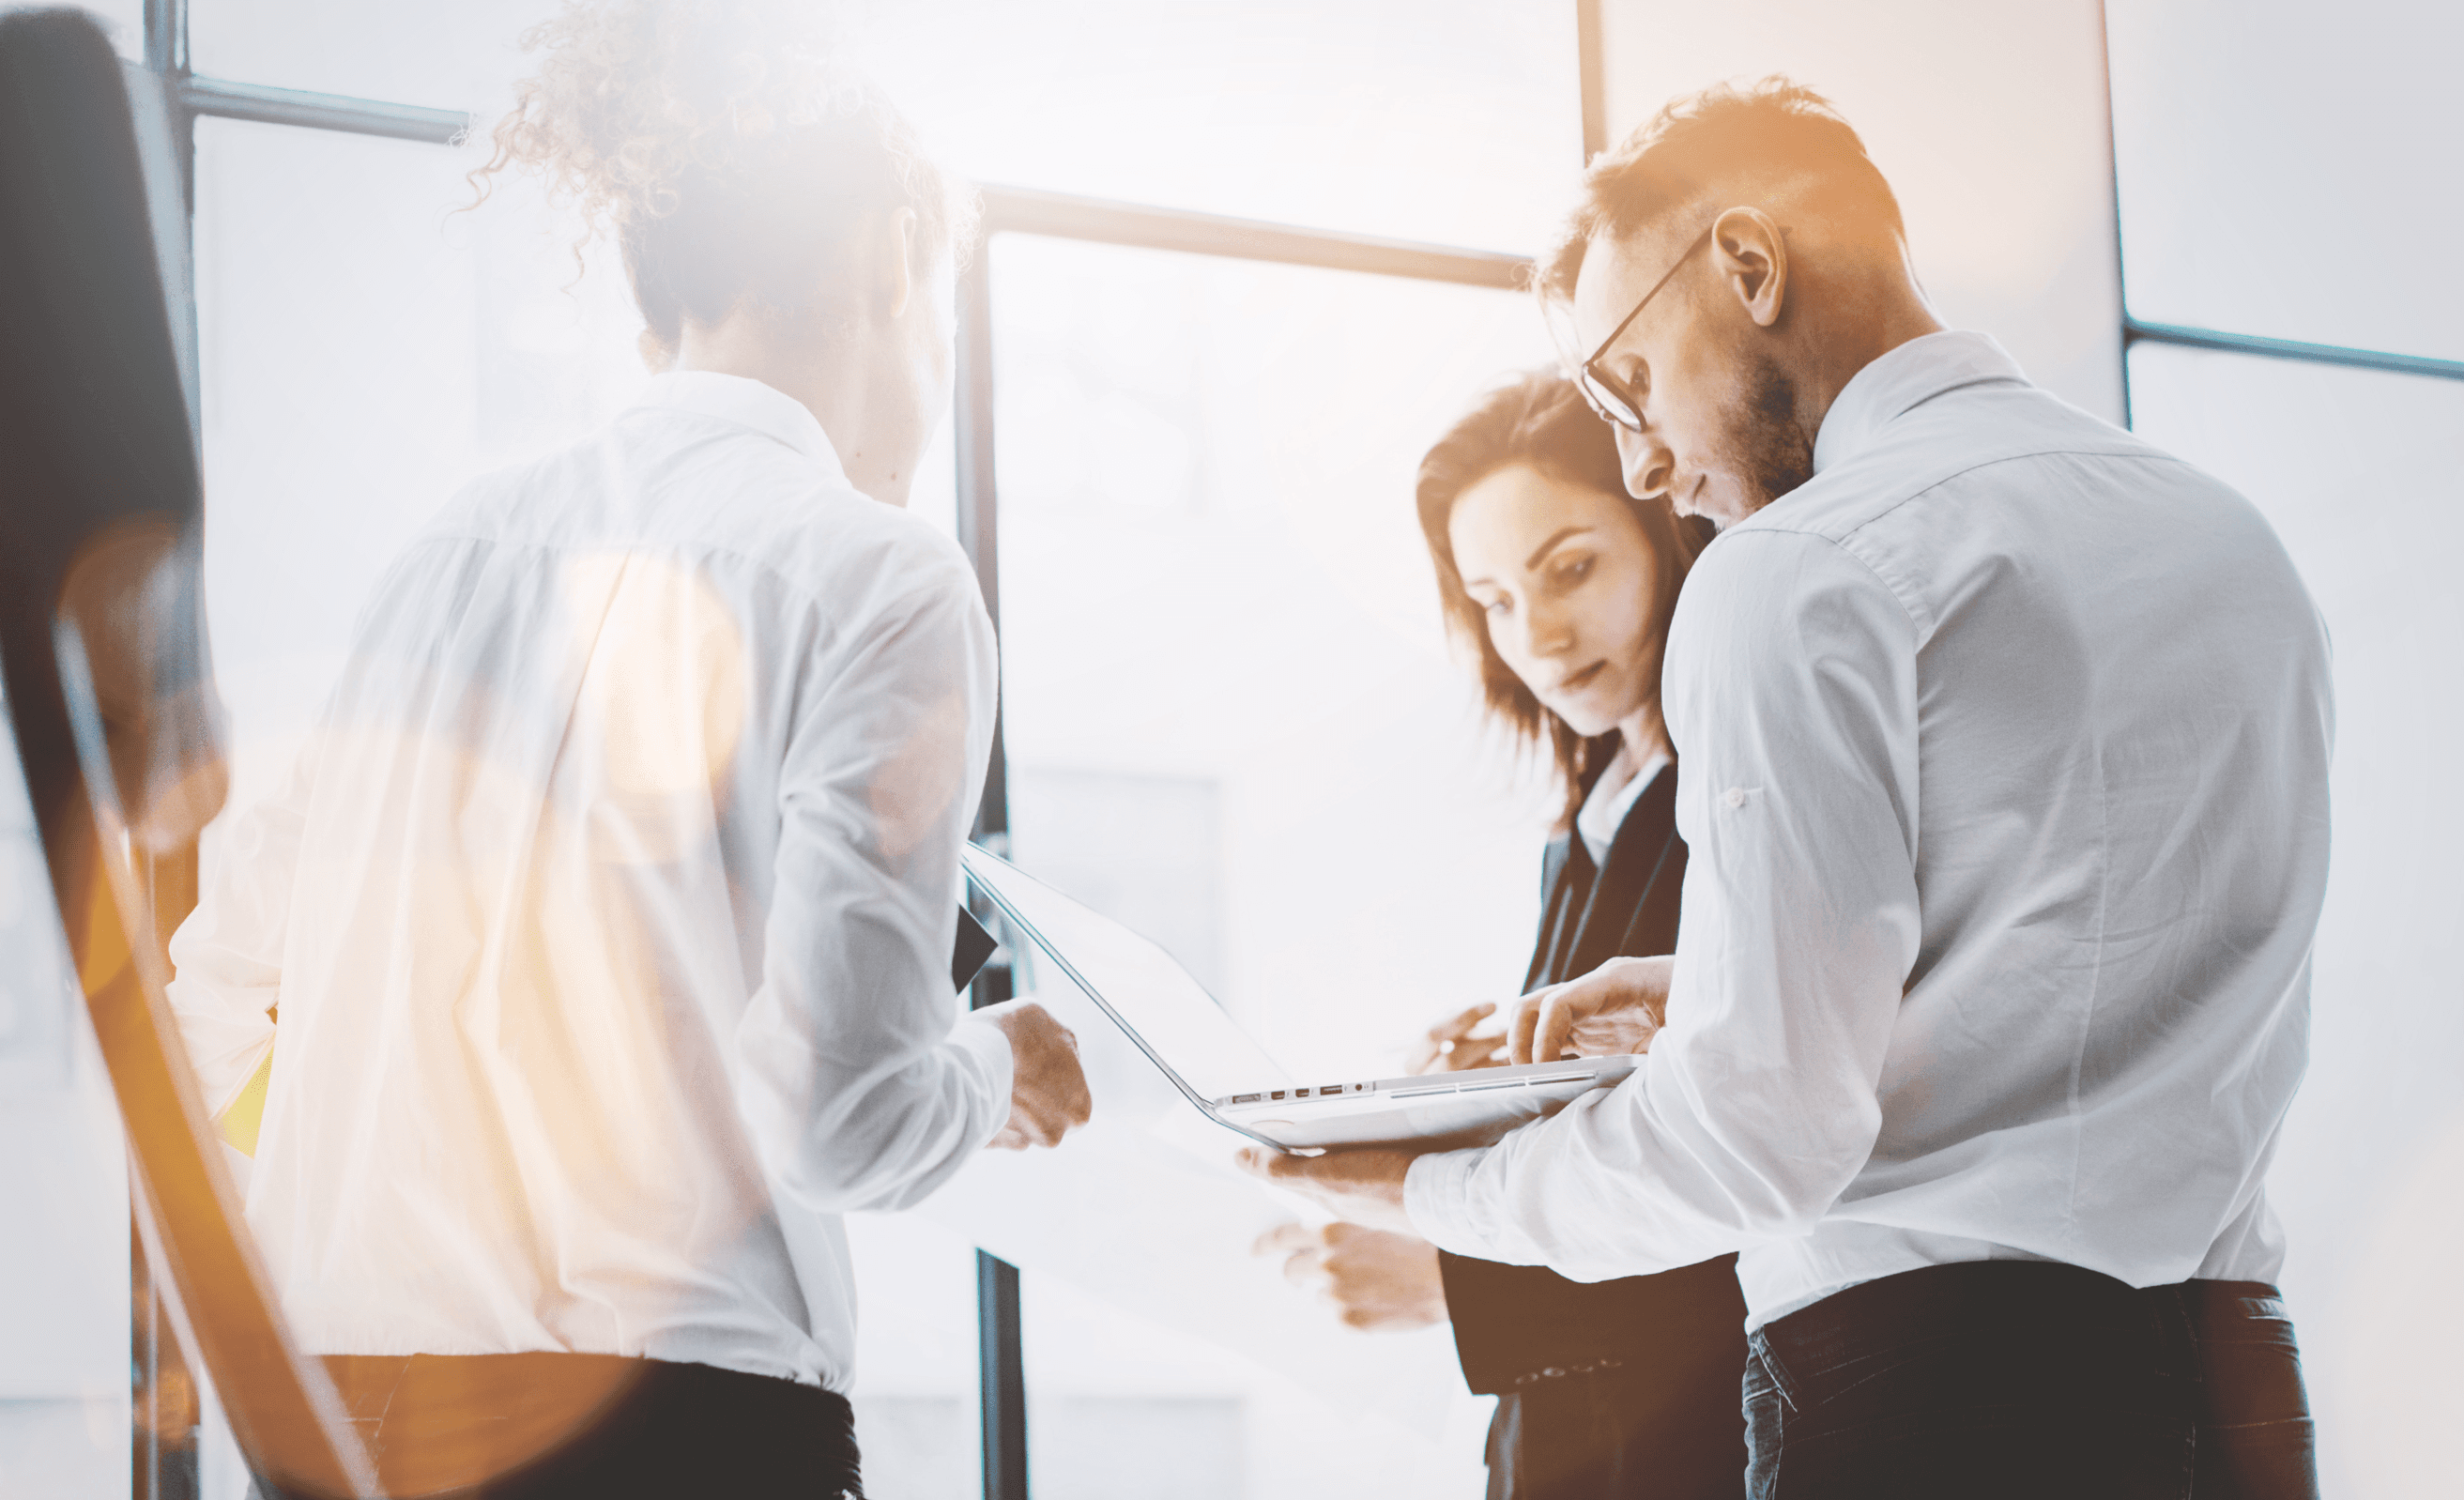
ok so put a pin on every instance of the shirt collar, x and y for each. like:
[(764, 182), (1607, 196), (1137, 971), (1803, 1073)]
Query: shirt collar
[(746, 404), (1902, 380)]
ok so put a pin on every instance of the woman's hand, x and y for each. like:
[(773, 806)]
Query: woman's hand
[(1615, 1009), (1449, 1046), (1379, 1281)]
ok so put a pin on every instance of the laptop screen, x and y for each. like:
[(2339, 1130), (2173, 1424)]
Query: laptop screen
[(1145, 991)]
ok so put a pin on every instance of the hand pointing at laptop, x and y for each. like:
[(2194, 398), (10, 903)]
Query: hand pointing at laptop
[(1616, 1009)]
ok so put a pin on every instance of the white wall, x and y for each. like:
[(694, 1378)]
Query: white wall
[(2263, 142), (1989, 120), (2362, 476)]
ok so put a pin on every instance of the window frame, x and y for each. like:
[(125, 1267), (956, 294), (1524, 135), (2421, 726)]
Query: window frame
[(187, 98)]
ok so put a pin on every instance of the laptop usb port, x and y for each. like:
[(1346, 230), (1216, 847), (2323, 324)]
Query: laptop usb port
[(1247, 1098), (1277, 1095)]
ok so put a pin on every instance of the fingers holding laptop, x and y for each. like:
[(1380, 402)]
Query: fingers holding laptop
[(1048, 1097), (1616, 1009)]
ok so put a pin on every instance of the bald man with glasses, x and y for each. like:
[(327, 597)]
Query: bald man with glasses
[(2004, 740)]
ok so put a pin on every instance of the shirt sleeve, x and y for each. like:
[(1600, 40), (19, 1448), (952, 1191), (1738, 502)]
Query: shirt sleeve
[(862, 1092), (1790, 693), (227, 957)]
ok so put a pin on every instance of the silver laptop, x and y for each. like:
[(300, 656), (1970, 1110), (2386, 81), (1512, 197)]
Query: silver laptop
[(1221, 1071)]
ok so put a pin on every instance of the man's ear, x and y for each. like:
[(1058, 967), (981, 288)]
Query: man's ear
[(898, 246), (1751, 253)]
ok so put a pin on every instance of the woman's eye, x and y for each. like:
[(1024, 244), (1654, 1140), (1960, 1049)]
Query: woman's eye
[(1574, 572), (1495, 607)]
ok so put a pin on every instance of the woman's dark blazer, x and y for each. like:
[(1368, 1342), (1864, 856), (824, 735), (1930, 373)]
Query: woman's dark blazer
[(1618, 1388)]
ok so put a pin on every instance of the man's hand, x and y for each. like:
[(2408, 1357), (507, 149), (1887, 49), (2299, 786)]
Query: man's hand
[(1377, 1279), (1616, 1009), (1048, 1096), (1449, 1046), (1365, 1187)]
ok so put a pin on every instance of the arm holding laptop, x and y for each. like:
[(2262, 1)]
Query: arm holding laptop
[(1802, 921)]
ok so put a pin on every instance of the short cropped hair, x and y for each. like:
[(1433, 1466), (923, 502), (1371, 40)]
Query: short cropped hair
[(1699, 143)]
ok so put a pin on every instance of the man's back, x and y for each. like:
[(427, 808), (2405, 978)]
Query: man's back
[(2115, 797), (609, 911)]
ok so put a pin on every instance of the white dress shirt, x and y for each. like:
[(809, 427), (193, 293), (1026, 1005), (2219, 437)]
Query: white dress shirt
[(2002, 749), (610, 911)]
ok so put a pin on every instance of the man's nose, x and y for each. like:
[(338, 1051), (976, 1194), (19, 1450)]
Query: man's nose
[(1650, 468)]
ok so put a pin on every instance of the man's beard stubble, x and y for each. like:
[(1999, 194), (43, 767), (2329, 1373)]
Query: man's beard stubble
[(1770, 448)]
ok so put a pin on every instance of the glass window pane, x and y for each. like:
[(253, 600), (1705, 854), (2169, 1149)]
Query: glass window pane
[(1219, 617), (1455, 121), (445, 53), (364, 349), (2362, 476), (1234, 721), (1450, 120), (2274, 155)]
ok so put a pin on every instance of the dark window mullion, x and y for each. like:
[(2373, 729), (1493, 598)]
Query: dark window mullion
[(1001, 1345), (169, 1427), (167, 36), (2136, 331)]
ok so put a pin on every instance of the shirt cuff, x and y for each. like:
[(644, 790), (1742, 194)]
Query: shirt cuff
[(986, 1046), (1437, 1197)]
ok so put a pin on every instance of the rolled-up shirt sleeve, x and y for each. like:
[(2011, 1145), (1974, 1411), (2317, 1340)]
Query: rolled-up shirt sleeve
[(1791, 698), (861, 1091)]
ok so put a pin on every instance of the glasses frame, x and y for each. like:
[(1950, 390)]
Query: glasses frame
[(1610, 398)]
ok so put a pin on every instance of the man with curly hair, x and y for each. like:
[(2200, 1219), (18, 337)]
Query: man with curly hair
[(2004, 743), (610, 912)]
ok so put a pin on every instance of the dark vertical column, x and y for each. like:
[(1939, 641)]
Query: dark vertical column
[(167, 36), (1001, 1352), (145, 1319), (167, 57), (2113, 170), (1593, 78), (167, 1402), (978, 518), (1005, 1377)]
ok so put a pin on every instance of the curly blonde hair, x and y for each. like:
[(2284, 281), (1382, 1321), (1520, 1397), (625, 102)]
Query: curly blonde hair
[(725, 147)]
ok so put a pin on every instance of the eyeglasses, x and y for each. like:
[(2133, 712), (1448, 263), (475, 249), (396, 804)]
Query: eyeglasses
[(1612, 398)]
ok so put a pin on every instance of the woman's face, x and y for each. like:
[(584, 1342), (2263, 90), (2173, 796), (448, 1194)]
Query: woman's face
[(1567, 581)]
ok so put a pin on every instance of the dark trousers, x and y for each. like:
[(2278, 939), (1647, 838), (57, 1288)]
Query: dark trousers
[(556, 1426), (1613, 1436), (2029, 1380)]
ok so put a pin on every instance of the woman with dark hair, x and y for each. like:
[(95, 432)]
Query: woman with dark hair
[(610, 913), (1563, 587)]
